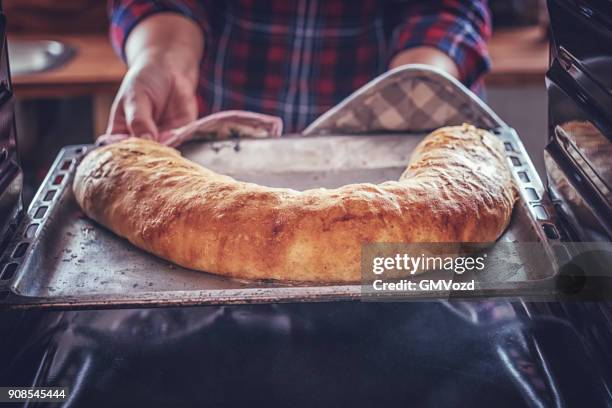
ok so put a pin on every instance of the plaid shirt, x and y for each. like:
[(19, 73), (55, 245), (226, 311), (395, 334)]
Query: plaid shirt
[(296, 59)]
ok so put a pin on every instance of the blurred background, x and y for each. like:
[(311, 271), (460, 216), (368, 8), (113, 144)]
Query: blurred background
[(65, 75)]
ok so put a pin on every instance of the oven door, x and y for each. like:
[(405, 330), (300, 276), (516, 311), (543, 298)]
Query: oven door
[(578, 154), (578, 162), (11, 176)]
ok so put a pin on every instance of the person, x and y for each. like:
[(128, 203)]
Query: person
[(290, 58)]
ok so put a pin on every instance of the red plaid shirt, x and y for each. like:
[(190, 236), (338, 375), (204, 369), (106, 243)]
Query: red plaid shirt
[(296, 59)]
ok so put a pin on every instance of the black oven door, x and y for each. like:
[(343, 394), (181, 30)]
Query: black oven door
[(11, 176), (579, 82)]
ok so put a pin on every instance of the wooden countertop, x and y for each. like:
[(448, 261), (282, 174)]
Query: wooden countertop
[(94, 69), (520, 57)]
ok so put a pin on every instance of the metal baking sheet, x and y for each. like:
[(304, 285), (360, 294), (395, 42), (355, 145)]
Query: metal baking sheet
[(61, 259)]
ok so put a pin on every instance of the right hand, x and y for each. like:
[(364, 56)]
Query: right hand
[(155, 95), (158, 92)]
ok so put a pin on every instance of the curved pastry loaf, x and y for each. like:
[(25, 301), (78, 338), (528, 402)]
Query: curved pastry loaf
[(457, 188)]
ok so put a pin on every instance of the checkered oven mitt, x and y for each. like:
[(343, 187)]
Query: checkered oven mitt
[(413, 98)]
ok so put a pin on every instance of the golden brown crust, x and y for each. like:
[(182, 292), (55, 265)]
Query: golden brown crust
[(456, 188)]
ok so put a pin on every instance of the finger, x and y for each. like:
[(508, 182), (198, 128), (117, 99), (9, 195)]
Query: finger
[(138, 110), (116, 121)]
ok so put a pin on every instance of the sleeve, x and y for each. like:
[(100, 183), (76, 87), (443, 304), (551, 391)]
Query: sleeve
[(459, 28), (126, 14)]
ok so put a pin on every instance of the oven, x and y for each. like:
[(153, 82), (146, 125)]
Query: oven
[(81, 309)]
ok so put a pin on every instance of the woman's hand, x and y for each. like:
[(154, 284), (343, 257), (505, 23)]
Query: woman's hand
[(159, 90)]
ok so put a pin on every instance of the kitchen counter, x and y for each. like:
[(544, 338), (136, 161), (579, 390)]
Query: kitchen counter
[(519, 57), (93, 69)]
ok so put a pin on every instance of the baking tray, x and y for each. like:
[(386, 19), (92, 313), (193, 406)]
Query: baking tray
[(61, 259)]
